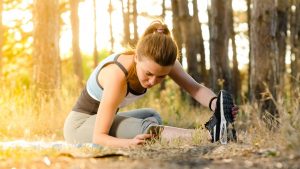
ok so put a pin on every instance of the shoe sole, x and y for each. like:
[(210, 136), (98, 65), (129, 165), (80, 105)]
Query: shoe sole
[(223, 124), (226, 118)]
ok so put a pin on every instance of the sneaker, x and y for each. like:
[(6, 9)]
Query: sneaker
[(220, 125)]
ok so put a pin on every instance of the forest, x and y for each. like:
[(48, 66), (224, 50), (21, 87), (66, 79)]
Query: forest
[(251, 48)]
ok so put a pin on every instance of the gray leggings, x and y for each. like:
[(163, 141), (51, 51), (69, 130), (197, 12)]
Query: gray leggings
[(78, 127)]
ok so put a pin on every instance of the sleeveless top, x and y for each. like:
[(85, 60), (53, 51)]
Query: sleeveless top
[(89, 100)]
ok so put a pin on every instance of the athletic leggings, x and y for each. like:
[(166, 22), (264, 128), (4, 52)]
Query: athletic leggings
[(78, 127)]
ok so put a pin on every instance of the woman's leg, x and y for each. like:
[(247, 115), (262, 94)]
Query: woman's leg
[(134, 122), (78, 127)]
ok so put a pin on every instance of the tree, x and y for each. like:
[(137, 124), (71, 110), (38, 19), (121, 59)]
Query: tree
[(281, 34), (1, 37), (95, 54), (126, 21), (295, 44), (77, 60), (110, 10), (236, 79), (130, 16), (249, 37), (220, 71), (264, 59), (47, 66), (200, 44)]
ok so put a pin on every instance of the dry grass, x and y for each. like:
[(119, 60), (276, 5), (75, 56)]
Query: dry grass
[(23, 116)]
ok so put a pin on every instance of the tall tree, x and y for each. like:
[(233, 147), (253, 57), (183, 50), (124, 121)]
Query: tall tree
[(190, 43), (264, 58), (134, 22), (281, 37), (163, 14), (236, 79), (1, 37), (47, 67), (249, 4), (110, 10), (187, 30), (200, 44), (77, 60), (95, 54), (126, 23), (220, 71), (295, 44), (176, 27)]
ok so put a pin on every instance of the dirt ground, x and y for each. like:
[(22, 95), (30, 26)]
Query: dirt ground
[(210, 156)]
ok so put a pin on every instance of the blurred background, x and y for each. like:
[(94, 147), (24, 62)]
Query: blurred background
[(49, 47)]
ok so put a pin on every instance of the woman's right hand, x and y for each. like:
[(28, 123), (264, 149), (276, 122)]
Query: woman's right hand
[(139, 139)]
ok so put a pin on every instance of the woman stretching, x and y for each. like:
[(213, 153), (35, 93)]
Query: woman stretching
[(120, 79)]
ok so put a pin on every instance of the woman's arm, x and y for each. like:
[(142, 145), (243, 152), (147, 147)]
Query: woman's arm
[(199, 92), (113, 81)]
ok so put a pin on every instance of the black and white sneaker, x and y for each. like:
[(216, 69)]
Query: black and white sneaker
[(220, 125)]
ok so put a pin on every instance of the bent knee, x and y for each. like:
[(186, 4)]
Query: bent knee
[(153, 113)]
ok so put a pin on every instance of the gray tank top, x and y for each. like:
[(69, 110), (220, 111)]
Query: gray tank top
[(90, 98)]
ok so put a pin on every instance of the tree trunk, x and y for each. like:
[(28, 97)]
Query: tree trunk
[(264, 59), (95, 54), (177, 33), (77, 60), (295, 47), (176, 27), (135, 27), (163, 14), (236, 79), (200, 44), (47, 66), (1, 38), (249, 95), (220, 71), (281, 34), (188, 34), (110, 10), (126, 19)]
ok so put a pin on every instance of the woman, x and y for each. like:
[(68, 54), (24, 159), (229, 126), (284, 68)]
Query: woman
[(119, 80)]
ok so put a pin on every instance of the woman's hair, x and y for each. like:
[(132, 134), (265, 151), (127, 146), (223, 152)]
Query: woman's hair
[(157, 44)]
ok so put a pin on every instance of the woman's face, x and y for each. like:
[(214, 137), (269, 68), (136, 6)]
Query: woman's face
[(150, 73)]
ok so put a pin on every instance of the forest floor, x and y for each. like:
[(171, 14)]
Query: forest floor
[(208, 156)]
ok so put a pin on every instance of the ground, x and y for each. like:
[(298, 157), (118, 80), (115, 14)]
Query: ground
[(208, 156)]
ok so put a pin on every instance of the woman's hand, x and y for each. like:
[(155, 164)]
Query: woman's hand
[(139, 139), (234, 111)]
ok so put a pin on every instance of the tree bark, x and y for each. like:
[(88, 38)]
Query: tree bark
[(95, 53), (126, 20), (295, 46), (47, 66), (134, 22), (220, 71), (249, 55), (264, 59), (77, 60), (110, 10), (281, 35), (200, 44), (1, 38), (236, 79)]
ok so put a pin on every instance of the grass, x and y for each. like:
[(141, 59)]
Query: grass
[(25, 116)]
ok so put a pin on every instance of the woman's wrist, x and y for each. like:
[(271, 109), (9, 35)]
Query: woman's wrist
[(212, 103)]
